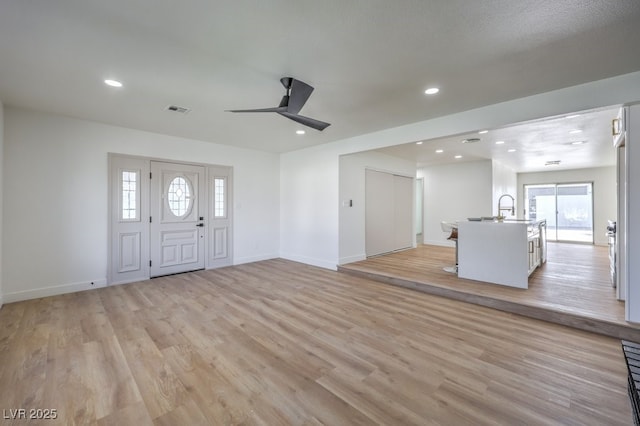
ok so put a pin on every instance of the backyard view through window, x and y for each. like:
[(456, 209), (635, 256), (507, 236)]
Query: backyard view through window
[(568, 209)]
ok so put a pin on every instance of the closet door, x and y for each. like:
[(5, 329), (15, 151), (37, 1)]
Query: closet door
[(403, 212), (388, 212), (379, 213)]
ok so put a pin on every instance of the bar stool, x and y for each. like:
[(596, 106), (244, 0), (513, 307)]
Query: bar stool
[(452, 230)]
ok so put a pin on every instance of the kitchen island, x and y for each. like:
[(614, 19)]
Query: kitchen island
[(501, 252)]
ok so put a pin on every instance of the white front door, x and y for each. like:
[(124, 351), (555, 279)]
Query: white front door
[(177, 213)]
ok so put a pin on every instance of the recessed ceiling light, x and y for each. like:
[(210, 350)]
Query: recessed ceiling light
[(113, 83), (419, 143), (499, 142), (300, 132), (552, 163), (578, 142), (482, 132), (575, 131), (458, 156), (439, 151), (572, 116), (432, 91), (511, 150)]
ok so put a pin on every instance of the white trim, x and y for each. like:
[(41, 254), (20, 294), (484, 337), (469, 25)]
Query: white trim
[(321, 263), (351, 259), (251, 259), (439, 243), (54, 290), (129, 281)]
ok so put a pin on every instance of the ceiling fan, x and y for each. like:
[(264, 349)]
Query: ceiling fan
[(292, 102)]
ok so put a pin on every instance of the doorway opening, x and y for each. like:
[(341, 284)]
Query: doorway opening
[(567, 208)]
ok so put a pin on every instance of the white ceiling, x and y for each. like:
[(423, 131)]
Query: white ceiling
[(526, 147), (369, 60)]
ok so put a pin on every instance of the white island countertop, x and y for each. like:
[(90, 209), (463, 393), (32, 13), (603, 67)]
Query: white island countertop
[(502, 253)]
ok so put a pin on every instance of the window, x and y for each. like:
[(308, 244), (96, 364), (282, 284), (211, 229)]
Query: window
[(219, 197), (567, 208), (179, 196), (129, 183)]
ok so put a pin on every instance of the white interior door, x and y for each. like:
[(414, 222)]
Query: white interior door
[(177, 209), (388, 212), (403, 212), (379, 213)]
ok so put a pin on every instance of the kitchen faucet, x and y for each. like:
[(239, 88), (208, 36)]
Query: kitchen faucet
[(512, 208)]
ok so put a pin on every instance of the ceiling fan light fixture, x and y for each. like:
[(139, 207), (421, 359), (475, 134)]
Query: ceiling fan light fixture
[(297, 94)]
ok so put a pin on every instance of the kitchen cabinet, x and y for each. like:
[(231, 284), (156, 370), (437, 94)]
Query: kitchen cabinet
[(534, 249), (504, 253)]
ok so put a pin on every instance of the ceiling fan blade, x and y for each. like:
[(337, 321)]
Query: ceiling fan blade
[(300, 92), (310, 122), (274, 109)]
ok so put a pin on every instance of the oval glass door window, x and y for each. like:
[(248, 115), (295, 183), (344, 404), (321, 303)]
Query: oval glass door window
[(179, 196)]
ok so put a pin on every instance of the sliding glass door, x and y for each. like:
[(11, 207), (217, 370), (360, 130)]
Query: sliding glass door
[(567, 207)]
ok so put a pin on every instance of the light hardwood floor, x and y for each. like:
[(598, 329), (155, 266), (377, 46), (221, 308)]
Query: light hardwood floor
[(277, 342), (573, 288)]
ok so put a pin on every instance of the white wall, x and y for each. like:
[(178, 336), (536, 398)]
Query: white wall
[(604, 192), (454, 192), (505, 181), (309, 207), (352, 187), (633, 213), (1, 192), (311, 232), (55, 237)]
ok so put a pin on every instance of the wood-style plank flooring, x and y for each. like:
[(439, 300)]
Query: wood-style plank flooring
[(278, 342), (572, 288)]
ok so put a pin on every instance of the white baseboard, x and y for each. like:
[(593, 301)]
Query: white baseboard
[(129, 281), (439, 243), (251, 259), (321, 263), (351, 259), (18, 296)]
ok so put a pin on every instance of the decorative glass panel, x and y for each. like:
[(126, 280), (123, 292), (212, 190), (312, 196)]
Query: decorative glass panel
[(219, 207), (179, 196), (129, 195)]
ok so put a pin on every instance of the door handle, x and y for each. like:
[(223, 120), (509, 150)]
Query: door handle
[(200, 225)]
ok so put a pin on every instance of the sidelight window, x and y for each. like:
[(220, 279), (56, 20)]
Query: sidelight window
[(219, 207), (129, 190)]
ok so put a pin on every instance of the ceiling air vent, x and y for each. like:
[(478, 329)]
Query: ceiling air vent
[(471, 140), (552, 163), (175, 108)]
